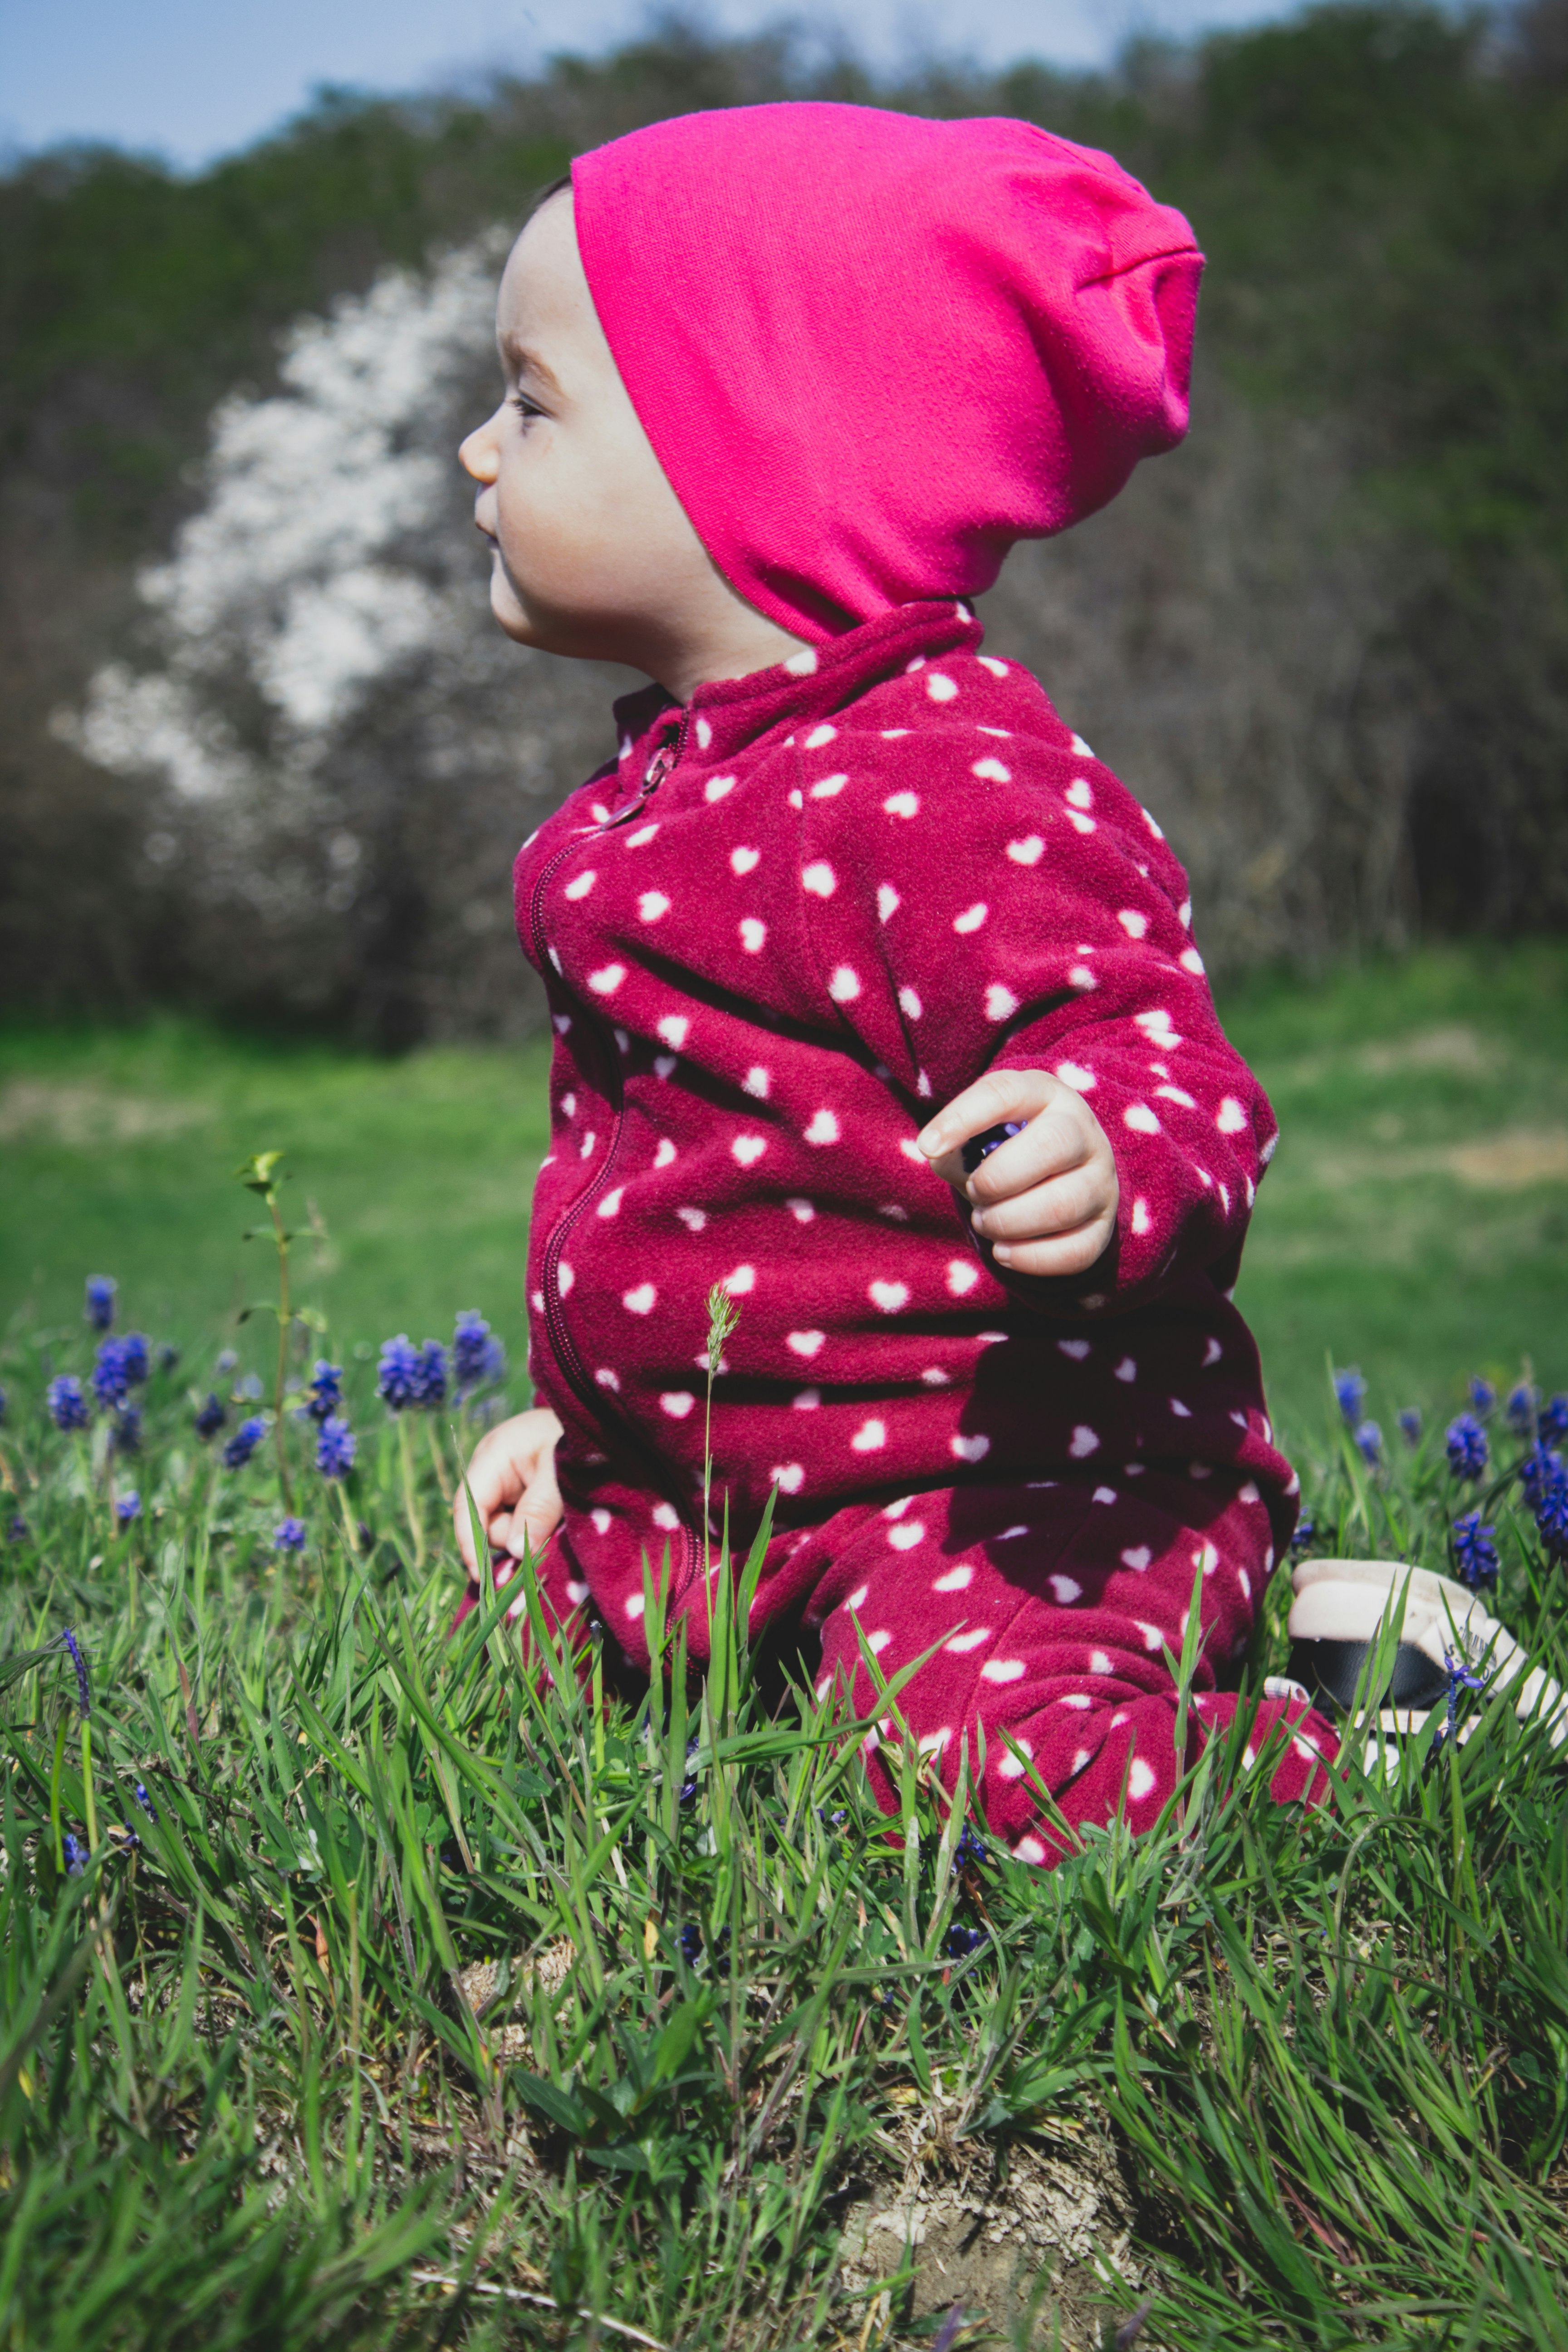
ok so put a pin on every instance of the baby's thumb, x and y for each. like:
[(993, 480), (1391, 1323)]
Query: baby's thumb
[(535, 1519)]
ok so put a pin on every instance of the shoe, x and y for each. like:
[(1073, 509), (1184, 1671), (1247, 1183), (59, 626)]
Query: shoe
[(1339, 1612)]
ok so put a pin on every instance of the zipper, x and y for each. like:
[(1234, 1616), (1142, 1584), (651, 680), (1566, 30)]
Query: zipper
[(562, 1345)]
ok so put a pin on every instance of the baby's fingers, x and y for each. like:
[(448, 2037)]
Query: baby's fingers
[(990, 1101), (1043, 1211), (1061, 1255), (1050, 1146)]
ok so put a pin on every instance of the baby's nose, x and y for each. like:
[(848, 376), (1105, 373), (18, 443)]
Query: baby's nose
[(479, 458)]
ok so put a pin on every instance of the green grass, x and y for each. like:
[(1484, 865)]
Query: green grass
[(394, 1989), (1372, 1241), (117, 1152), (1416, 1217), (433, 2002)]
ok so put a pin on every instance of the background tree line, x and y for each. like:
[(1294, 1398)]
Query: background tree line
[(282, 773)]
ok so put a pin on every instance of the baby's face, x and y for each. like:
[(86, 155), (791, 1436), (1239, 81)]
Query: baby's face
[(593, 552)]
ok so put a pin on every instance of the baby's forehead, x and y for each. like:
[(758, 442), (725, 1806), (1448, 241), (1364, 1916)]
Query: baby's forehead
[(543, 294)]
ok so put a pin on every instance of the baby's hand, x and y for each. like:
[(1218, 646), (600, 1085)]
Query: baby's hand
[(512, 1476), (1046, 1199)]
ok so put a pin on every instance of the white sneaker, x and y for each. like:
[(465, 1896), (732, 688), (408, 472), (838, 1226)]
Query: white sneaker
[(1340, 1609)]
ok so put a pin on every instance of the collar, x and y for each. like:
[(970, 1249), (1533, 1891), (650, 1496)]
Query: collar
[(726, 717)]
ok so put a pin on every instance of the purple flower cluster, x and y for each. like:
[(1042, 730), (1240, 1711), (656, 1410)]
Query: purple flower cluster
[(72, 1649), (211, 1416), (288, 1535), (243, 1442), (1350, 1392), (1475, 1551), (1468, 1450), (67, 1402), (128, 1507), (1545, 1483), (98, 1310), (325, 1393), (1369, 1442), (478, 1356), (411, 1377), (336, 1446), (119, 1366)]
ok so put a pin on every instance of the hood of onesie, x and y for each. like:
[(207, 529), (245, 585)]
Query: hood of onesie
[(870, 351)]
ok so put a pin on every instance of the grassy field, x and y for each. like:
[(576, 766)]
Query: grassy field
[(357, 1989), (1416, 1218)]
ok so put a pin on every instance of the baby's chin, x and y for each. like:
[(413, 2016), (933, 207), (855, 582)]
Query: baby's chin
[(508, 608)]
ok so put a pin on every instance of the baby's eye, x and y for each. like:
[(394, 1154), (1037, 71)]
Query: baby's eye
[(525, 407)]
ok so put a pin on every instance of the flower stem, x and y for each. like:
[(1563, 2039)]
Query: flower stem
[(284, 1319), (86, 1785), (406, 1449)]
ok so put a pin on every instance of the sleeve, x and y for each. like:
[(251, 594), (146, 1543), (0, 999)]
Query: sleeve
[(1003, 904)]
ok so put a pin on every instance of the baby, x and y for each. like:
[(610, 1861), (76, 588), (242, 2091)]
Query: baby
[(783, 384)]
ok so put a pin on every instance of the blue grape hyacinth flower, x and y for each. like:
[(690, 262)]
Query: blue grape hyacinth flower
[(1369, 1442), (1475, 1551), (400, 1375), (1461, 1677), (335, 1447), (98, 1310), (1410, 1424), (478, 1356), (1483, 1396), (1538, 1472), (1468, 1449), (243, 1442), (325, 1393), (111, 1378), (128, 1507), (74, 1855), (67, 1402), (1545, 1483), (288, 1535), (1350, 1390), (962, 1941), (969, 1853), (72, 1648), (210, 1417), (432, 1374), (1551, 1421), (411, 1377), (1520, 1408)]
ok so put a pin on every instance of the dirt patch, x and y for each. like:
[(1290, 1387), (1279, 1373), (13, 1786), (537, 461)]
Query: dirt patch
[(87, 1117), (1455, 1047), (1512, 1163), (1046, 2221)]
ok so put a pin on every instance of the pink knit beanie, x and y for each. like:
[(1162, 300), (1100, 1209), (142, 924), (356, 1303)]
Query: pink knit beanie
[(872, 351)]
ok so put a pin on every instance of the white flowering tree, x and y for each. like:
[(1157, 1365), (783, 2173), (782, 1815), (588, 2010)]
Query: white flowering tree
[(339, 749)]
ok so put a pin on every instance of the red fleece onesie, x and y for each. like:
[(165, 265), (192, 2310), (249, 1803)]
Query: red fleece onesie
[(795, 917)]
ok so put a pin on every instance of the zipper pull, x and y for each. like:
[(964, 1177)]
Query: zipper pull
[(659, 766)]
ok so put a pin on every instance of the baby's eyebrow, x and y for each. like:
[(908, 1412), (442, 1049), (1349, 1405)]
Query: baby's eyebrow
[(525, 362)]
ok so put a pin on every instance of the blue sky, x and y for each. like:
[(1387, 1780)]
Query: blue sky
[(194, 79)]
